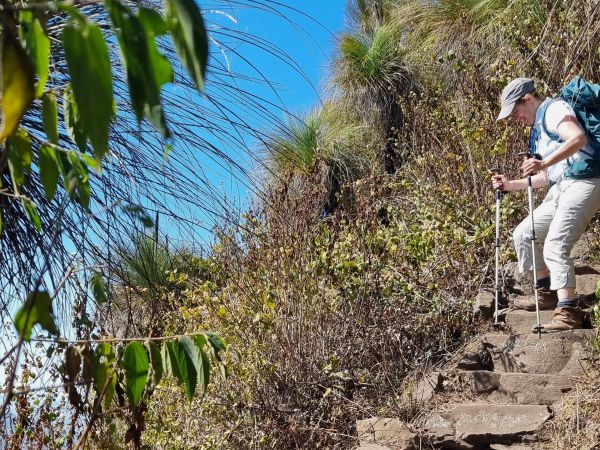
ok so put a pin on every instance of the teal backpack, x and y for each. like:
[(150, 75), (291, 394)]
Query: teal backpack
[(584, 97)]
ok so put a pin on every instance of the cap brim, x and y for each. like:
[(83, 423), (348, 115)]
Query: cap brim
[(506, 111)]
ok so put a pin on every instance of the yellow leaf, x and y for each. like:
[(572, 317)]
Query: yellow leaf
[(17, 84)]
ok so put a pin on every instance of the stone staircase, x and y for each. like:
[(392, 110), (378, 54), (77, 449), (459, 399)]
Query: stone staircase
[(499, 391)]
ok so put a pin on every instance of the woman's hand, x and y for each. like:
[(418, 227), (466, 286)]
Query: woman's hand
[(531, 166), (500, 182)]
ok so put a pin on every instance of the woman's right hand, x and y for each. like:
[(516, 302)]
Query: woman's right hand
[(500, 182)]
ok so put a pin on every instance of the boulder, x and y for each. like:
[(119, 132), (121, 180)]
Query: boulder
[(485, 304), (428, 386), (585, 284), (440, 432), (553, 353), (480, 359)]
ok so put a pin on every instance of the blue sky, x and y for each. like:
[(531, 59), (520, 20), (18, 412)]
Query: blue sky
[(308, 37), (305, 32)]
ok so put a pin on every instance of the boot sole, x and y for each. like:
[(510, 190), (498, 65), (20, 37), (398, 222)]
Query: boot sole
[(547, 331), (542, 308)]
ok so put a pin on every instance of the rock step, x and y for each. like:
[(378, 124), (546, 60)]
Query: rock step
[(521, 322), (552, 353), (520, 388), (586, 279), (477, 426), (496, 387)]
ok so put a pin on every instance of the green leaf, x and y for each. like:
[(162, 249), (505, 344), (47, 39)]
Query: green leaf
[(167, 152), (17, 83), (19, 157), (31, 209), (217, 343), (50, 117), (194, 350), (135, 362), (91, 78), (172, 360), (64, 164), (147, 69), (71, 10), (165, 358), (190, 37), (153, 21), (36, 310), (103, 372), (90, 162), (72, 120), (37, 46), (48, 166), (183, 367), (98, 288), (76, 177), (156, 361), (204, 374)]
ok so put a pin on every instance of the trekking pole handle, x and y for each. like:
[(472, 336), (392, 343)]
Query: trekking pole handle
[(527, 155), (497, 171)]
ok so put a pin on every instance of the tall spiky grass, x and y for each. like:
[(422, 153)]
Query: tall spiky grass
[(144, 264), (370, 66), (370, 74), (330, 135), (294, 146), (366, 15)]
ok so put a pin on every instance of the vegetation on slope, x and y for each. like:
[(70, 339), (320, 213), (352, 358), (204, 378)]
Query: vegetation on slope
[(372, 231), (328, 311)]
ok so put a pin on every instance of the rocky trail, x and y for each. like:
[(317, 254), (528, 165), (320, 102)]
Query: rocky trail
[(499, 391)]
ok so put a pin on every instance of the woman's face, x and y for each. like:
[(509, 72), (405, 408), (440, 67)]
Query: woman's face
[(524, 112)]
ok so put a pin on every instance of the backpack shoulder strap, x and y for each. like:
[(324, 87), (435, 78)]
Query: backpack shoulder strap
[(553, 136)]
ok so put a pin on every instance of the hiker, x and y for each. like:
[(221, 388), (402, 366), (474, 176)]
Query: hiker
[(570, 203)]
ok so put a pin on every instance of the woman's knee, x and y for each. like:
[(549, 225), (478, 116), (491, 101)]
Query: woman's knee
[(557, 255)]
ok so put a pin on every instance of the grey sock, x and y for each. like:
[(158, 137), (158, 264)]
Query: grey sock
[(566, 303)]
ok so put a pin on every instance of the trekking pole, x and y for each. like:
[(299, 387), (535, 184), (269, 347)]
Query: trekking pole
[(499, 195), (538, 327)]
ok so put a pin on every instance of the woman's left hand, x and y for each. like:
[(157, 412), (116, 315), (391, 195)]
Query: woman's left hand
[(532, 166)]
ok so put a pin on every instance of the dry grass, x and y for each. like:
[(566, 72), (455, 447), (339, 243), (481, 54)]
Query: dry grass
[(576, 422)]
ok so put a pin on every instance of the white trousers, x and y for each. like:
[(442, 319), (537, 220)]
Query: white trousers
[(560, 221)]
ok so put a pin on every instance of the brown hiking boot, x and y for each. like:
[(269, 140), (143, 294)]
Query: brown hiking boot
[(547, 300), (565, 318)]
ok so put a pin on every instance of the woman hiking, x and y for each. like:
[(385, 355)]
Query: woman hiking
[(568, 207)]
